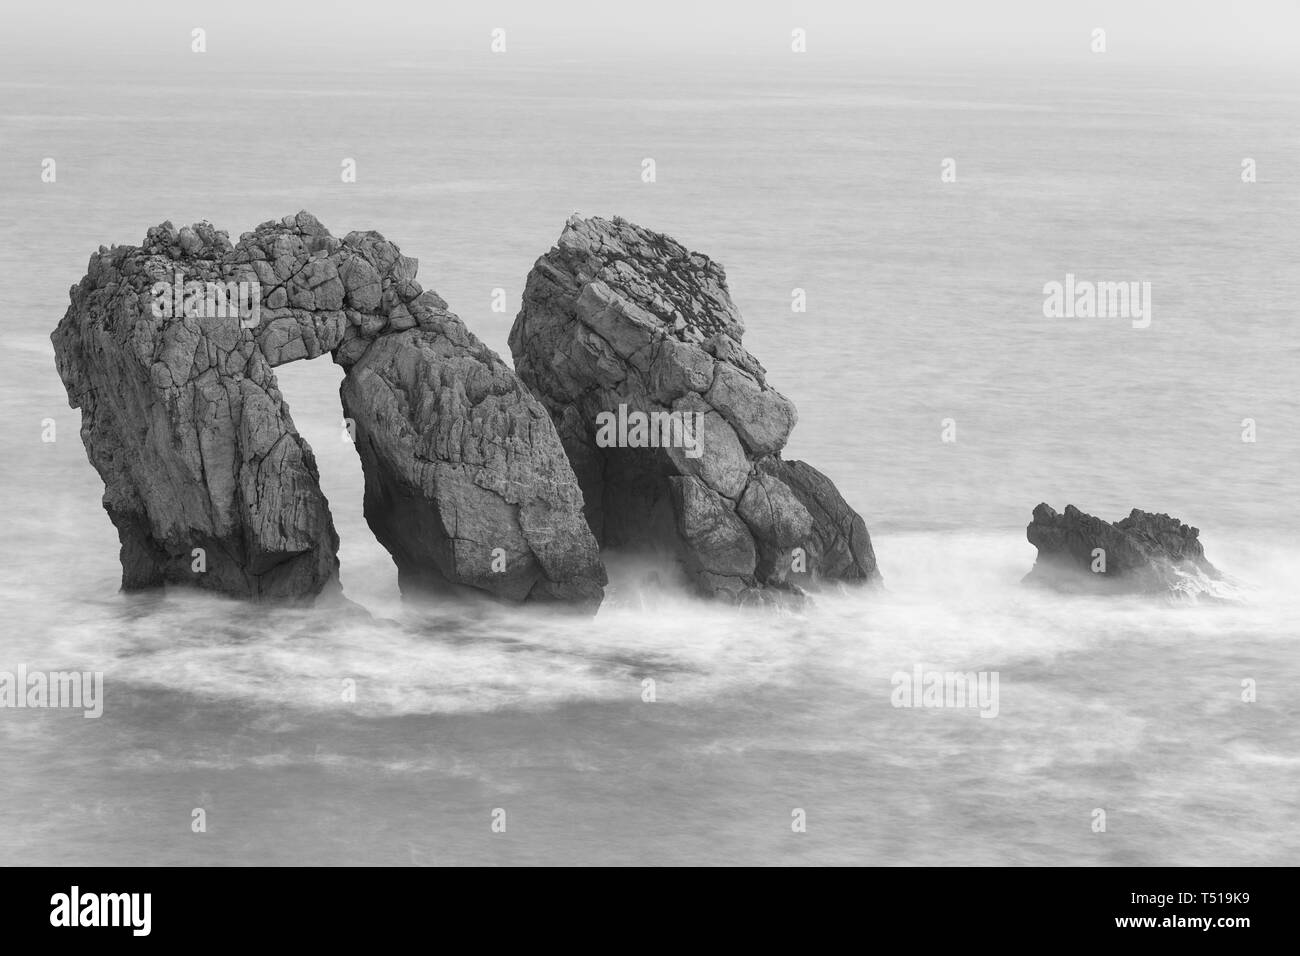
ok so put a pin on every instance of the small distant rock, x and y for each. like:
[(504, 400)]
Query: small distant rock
[(1144, 553)]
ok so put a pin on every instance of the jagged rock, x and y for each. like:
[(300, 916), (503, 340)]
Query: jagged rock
[(839, 546), (1144, 553), (205, 477), (460, 460), (616, 316), (182, 418)]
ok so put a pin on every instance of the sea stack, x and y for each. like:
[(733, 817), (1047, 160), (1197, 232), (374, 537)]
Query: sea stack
[(632, 343)]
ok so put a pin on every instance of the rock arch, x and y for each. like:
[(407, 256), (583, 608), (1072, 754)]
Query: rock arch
[(184, 421)]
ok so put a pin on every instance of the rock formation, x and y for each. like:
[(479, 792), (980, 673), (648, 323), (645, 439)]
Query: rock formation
[(467, 483), (1144, 553), (623, 324)]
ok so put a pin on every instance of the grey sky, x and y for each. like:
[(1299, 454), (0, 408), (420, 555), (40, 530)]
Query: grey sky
[(1261, 32)]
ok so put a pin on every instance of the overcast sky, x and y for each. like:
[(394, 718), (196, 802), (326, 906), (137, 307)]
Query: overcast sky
[(1259, 32)]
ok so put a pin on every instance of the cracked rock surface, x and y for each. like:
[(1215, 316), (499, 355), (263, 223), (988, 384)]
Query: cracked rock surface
[(616, 314), (467, 484)]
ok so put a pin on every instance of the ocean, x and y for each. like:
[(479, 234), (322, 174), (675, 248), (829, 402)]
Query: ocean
[(924, 318)]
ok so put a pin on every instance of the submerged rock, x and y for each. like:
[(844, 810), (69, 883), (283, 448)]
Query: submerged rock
[(633, 345), (467, 484), (1144, 553)]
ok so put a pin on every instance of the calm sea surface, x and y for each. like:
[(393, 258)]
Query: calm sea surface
[(924, 303)]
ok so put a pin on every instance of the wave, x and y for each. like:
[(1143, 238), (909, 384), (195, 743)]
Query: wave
[(949, 601)]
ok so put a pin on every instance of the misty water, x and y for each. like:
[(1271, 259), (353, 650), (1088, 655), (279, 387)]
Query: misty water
[(924, 303)]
